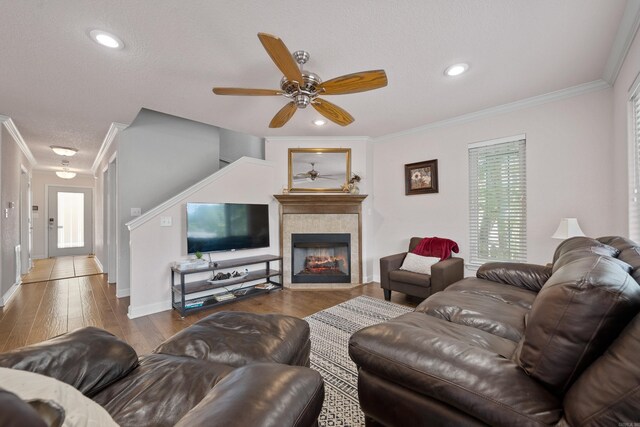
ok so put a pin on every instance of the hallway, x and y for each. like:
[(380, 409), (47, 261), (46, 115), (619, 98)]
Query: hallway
[(61, 268)]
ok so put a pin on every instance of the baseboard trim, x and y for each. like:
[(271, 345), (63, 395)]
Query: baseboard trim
[(97, 260), (10, 293), (121, 293), (145, 310)]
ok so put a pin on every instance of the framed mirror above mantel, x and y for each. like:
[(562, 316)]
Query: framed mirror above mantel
[(325, 170)]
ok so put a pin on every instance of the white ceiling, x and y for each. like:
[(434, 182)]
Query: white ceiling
[(61, 88)]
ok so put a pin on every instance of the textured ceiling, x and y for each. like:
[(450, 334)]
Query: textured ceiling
[(60, 88)]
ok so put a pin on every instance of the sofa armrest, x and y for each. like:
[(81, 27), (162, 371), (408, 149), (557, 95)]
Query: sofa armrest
[(387, 264), (446, 272), (526, 276), (89, 359), (261, 395)]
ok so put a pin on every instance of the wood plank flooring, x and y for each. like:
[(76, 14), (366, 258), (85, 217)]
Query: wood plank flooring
[(61, 268), (42, 310)]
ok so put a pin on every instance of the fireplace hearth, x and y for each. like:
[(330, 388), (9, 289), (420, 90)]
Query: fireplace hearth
[(321, 258)]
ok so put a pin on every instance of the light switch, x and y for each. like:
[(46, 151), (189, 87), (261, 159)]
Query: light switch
[(136, 211), (165, 221)]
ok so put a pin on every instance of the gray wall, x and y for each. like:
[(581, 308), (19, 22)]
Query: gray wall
[(158, 157), (10, 160), (234, 145)]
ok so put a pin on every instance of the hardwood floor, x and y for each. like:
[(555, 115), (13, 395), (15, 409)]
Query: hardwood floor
[(46, 309), (61, 268)]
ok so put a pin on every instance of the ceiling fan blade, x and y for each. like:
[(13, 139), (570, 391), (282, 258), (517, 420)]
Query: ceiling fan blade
[(283, 115), (281, 56), (332, 112), (244, 91), (355, 82)]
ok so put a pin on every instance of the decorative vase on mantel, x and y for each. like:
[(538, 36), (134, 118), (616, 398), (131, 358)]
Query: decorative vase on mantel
[(354, 189)]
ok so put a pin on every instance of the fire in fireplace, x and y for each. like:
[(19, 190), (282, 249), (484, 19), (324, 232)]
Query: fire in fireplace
[(321, 258)]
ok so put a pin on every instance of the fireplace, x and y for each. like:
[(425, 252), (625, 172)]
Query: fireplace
[(321, 258)]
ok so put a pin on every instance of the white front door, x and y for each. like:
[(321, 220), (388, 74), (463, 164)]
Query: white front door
[(70, 221)]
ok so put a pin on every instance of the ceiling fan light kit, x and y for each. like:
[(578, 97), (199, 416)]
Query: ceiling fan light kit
[(303, 88)]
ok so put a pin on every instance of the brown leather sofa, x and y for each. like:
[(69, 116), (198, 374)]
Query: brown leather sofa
[(228, 369), (518, 345), (419, 285)]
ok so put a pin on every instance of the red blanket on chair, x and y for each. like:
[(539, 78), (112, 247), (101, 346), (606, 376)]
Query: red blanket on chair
[(436, 247)]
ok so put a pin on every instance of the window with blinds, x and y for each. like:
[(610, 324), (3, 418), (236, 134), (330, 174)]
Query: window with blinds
[(634, 205), (498, 201)]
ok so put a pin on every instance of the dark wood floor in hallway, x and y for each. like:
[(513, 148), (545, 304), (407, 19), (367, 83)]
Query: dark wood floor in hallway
[(43, 310)]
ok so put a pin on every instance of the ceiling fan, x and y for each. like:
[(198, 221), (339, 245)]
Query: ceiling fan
[(313, 174), (303, 87)]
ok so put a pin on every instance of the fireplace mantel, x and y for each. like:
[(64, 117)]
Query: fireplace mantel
[(320, 203), (343, 215)]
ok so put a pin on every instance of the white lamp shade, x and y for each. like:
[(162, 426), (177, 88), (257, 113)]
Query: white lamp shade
[(568, 228)]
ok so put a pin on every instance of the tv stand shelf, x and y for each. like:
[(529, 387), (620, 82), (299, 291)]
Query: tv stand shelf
[(181, 290)]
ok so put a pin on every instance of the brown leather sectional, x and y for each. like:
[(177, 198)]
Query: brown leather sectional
[(228, 369), (518, 345)]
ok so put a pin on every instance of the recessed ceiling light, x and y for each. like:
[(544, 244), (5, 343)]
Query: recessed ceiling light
[(456, 70), (64, 151), (106, 39), (319, 122)]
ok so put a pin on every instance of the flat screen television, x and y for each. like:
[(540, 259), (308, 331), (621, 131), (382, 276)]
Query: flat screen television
[(226, 226)]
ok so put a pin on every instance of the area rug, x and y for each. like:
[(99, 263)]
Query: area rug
[(330, 332)]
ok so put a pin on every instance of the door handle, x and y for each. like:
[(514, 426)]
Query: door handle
[(59, 226)]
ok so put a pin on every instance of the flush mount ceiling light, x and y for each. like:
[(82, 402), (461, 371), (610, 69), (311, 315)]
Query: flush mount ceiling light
[(106, 39), (64, 173), (64, 151), (319, 122), (456, 69)]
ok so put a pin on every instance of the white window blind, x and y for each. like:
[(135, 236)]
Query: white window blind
[(498, 202), (634, 205)]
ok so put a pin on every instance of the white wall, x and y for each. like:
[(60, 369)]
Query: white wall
[(276, 151), (569, 174), (154, 248), (39, 181)]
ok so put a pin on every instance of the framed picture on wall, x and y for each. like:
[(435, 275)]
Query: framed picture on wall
[(319, 169), (421, 177)]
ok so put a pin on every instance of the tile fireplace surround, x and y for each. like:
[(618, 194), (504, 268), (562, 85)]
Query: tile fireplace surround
[(321, 213)]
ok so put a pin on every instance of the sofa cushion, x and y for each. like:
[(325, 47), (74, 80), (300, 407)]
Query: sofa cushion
[(15, 412), (526, 276), (161, 390), (584, 243), (410, 277), (576, 254), (457, 365), (477, 311), (89, 359), (495, 291), (607, 393), (237, 339), (578, 312), (418, 263)]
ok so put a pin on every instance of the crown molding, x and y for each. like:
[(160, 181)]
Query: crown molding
[(505, 108), (152, 213), (316, 138), (15, 133), (106, 143), (622, 43)]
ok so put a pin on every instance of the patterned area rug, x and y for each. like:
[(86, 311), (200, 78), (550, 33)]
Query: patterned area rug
[(330, 332)]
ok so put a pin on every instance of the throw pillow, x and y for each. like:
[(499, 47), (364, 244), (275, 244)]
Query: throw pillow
[(79, 409), (418, 264)]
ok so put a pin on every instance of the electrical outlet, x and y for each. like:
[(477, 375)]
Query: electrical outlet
[(165, 221), (136, 211)]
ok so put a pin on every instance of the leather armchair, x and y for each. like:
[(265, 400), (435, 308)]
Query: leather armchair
[(442, 275)]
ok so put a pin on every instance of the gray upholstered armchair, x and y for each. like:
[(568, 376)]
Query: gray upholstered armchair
[(442, 275)]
